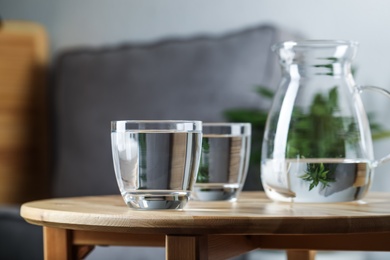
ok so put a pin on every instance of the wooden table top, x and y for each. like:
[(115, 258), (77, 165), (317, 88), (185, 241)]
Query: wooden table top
[(253, 213)]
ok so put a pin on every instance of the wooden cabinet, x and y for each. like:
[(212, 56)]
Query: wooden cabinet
[(23, 120)]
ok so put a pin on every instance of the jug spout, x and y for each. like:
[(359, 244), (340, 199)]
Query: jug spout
[(316, 57)]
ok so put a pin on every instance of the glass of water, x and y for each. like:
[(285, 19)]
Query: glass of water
[(224, 161), (156, 162)]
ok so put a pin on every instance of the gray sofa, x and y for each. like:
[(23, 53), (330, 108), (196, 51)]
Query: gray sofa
[(191, 78)]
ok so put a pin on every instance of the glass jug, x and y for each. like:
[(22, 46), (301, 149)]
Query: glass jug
[(317, 145)]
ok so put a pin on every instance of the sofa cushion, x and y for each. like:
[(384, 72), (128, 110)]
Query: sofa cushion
[(194, 78)]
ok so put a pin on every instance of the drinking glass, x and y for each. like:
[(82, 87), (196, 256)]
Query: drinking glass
[(156, 162), (224, 161)]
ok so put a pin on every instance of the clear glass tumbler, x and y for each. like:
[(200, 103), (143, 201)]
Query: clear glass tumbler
[(156, 162), (224, 161)]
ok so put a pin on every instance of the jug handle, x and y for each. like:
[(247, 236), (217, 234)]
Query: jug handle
[(387, 94)]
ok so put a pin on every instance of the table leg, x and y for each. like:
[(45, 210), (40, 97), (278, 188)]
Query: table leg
[(57, 244), (301, 254), (186, 247)]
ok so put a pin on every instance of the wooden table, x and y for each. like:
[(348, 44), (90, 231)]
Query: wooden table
[(212, 230)]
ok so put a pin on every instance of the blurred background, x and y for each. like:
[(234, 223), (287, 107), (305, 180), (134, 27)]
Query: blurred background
[(99, 23), (72, 24)]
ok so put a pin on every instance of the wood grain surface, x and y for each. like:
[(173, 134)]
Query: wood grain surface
[(253, 213)]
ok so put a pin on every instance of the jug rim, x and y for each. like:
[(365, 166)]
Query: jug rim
[(314, 44)]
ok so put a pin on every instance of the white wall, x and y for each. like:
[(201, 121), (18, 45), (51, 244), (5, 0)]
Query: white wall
[(97, 22), (73, 22)]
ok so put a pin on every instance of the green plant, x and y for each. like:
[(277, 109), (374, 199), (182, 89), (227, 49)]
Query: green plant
[(203, 172), (142, 162), (314, 135), (316, 173), (257, 117), (320, 132)]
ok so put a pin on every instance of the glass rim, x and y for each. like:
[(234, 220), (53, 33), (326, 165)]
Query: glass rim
[(156, 125), (246, 124), (312, 43), (227, 128), (152, 121)]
